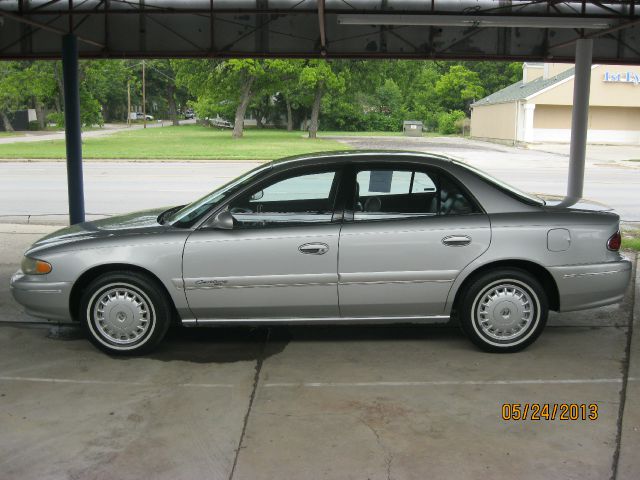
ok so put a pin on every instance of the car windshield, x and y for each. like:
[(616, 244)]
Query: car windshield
[(189, 214), (505, 187)]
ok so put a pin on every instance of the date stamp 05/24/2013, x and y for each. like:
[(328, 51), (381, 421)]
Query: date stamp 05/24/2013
[(549, 411)]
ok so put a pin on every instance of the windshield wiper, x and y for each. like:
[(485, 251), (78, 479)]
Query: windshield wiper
[(162, 216)]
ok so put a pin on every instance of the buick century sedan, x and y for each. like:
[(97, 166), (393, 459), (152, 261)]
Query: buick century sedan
[(353, 237)]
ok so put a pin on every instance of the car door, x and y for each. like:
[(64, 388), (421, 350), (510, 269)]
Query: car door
[(412, 231), (280, 258)]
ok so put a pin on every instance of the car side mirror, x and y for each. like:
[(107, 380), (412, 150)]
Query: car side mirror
[(222, 221), (257, 196)]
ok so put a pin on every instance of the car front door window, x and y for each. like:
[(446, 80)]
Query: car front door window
[(301, 199)]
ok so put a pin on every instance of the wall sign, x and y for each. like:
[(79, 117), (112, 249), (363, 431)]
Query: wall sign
[(626, 77)]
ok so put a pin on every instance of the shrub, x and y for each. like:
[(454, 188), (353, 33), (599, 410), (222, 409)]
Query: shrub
[(450, 122), (57, 118)]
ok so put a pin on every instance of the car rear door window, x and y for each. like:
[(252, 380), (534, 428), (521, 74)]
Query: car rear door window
[(390, 193)]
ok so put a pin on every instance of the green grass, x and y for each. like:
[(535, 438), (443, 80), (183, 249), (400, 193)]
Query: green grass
[(631, 244), (184, 142), (631, 239)]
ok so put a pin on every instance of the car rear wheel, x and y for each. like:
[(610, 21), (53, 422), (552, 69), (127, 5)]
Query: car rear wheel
[(125, 313), (504, 310)]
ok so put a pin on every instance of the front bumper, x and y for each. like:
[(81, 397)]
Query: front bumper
[(42, 298), (594, 285)]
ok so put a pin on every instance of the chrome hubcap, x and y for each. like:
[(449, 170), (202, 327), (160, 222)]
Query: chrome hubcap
[(122, 314), (504, 311)]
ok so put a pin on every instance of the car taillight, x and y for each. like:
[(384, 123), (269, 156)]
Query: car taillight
[(615, 241)]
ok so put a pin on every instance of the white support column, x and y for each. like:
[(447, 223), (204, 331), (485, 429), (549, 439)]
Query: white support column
[(579, 121), (527, 124)]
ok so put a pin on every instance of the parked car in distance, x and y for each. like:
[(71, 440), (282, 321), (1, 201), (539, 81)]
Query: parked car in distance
[(139, 116), (351, 237), (189, 114), (219, 123)]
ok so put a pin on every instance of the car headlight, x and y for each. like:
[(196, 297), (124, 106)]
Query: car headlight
[(33, 266)]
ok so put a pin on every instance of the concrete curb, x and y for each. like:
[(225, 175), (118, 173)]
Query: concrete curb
[(46, 219), (24, 228), (132, 160)]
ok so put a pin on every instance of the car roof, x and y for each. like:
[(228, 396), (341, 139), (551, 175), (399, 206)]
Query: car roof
[(363, 156)]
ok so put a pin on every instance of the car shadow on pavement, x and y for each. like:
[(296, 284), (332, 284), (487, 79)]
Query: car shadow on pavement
[(237, 344), (251, 343)]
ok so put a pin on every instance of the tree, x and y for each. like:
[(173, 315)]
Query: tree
[(319, 77), (389, 97), (103, 89), (496, 75), (458, 87), (11, 96), (285, 74), (221, 85), (42, 89)]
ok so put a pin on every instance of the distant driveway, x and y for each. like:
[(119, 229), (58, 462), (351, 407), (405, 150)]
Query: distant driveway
[(108, 129)]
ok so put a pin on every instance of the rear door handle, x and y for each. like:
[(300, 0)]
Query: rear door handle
[(456, 240), (314, 248)]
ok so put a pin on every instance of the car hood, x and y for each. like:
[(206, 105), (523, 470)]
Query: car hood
[(135, 223)]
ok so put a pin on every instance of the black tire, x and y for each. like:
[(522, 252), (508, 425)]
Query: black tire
[(135, 300), (503, 310)]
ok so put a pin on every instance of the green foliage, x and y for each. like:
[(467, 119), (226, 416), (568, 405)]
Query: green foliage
[(90, 112), (457, 88), (355, 95), (320, 72), (450, 122), (12, 79), (90, 109), (57, 118), (496, 75)]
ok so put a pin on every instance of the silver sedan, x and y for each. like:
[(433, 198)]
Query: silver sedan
[(342, 237)]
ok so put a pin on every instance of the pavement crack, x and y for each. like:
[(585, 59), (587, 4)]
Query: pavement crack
[(388, 457), (389, 462), (256, 380)]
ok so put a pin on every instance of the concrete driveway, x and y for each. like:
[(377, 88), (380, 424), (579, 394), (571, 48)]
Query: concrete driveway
[(107, 129), (401, 402)]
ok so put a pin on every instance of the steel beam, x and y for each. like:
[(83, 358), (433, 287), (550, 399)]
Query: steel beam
[(72, 128), (579, 121)]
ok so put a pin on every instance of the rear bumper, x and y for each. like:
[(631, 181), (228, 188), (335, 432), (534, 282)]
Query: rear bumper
[(41, 298), (594, 285)]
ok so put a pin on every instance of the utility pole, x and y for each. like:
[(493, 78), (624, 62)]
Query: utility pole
[(129, 103), (144, 97)]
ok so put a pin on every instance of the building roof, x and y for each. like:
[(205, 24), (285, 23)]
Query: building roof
[(521, 90)]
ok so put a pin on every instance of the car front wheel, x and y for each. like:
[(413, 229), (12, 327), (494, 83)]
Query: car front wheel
[(504, 310), (125, 313)]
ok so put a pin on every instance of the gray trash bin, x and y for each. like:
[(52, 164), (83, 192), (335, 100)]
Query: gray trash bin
[(412, 128)]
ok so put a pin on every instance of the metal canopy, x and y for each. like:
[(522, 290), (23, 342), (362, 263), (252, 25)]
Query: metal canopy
[(426, 29)]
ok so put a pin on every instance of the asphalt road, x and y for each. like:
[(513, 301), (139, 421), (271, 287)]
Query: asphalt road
[(111, 187)]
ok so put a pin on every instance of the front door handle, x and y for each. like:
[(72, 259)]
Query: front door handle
[(456, 240), (314, 248)]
